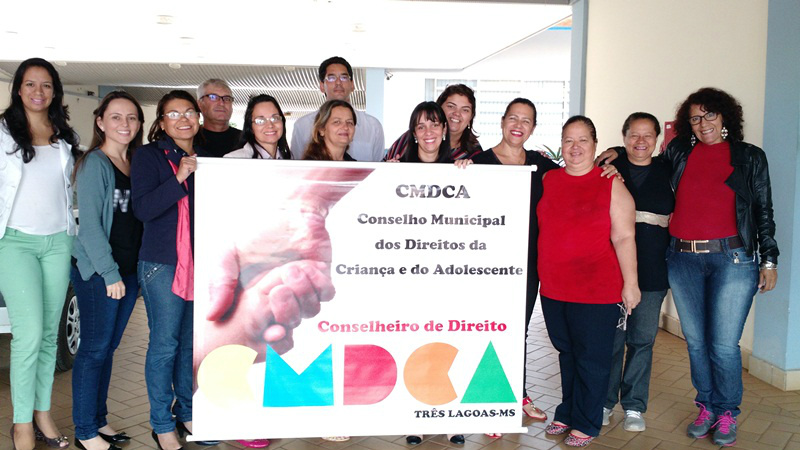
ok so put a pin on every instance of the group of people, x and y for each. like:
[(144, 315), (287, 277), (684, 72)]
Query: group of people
[(605, 243)]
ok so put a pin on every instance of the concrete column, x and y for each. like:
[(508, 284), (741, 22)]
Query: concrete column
[(577, 74), (375, 80), (776, 343)]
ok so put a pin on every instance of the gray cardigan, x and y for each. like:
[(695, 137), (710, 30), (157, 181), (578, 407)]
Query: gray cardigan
[(95, 185)]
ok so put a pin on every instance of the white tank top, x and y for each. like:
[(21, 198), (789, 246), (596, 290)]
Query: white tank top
[(40, 207)]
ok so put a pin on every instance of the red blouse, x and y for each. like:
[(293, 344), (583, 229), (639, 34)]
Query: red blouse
[(577, 262), (705, 207)]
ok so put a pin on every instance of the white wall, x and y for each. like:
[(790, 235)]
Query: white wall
[(5, 94), (649, 55), (543, 57), (81, 106)]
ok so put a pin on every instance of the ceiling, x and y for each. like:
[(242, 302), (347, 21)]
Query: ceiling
[(150, 46)]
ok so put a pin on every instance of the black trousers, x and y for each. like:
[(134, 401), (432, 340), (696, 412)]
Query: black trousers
[(530, 302), (583, 334)]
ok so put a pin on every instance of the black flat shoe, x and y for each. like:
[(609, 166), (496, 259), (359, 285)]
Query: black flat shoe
[(457, 439), (158, 444), (413, 440), (111, 446), (183, 431), (116, 438)]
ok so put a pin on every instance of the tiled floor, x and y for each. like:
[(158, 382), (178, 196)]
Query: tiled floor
[(770, 418)]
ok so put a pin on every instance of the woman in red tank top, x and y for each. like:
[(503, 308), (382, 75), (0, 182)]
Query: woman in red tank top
[(587, 266)]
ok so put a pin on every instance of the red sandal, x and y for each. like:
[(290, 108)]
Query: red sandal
[(536, 414)]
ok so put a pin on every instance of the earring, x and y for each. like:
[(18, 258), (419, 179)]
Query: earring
[(724, 133), (415, 139), (444, 136), (693, 140)]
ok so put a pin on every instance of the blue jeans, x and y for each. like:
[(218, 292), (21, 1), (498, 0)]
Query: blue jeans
[(713, 293), (631, 387), (583, 334), (103, 321), (168, 365)]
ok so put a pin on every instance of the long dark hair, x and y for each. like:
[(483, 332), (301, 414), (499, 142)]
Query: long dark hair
[(156, 133), (712, 100), (433, 112), (469, 139), (248, 137), (99, 136), (316, 149), (17, 121)]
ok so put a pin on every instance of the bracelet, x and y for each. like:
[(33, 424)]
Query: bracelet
[(768, 265)]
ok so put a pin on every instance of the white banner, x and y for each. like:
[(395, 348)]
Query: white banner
[(421, 273)]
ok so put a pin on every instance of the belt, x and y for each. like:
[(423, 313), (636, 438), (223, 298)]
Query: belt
[(659, 220), (707, 246)]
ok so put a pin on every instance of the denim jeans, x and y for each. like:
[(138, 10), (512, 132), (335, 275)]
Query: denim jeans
[(168, 365), (713, 293), (583, 334), (103, 321), (631, 386)]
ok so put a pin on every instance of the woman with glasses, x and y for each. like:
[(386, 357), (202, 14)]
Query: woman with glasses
[(104, 265), (263, 136), (458, 103), (264, 131), (162, 181), (37, 152), (587, 266), (721, 228)]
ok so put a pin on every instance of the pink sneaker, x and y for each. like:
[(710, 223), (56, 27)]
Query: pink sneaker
[(254, 443)]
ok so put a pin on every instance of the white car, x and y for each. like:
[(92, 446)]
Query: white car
[(69, 330)]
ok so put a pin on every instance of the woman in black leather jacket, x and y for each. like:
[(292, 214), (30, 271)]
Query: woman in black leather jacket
[(723, 214)]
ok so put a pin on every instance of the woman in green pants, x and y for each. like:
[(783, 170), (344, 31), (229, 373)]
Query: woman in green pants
[(37, 152)]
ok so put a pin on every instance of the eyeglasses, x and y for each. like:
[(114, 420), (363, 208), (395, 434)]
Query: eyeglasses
[(262, 120), (216, 98), (175, 115), (709, 116), (622, 324), (344, 78)]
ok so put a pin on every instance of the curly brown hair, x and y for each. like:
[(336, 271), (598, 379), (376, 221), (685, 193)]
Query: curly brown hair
[(712, 100)]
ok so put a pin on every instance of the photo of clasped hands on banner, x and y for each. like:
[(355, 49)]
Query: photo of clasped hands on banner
[(270, 276)]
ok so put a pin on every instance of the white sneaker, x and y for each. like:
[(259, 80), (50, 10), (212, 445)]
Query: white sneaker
[(633, 421), (607, 413)]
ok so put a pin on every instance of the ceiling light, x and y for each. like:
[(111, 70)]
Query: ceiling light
[(175, 66), (164, 20), (61, 63)]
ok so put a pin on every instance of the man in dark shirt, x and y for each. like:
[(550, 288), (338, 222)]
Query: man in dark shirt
[(216, 104)]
